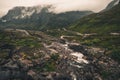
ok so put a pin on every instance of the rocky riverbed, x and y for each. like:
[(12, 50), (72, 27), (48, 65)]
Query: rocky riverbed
[(55, 59)]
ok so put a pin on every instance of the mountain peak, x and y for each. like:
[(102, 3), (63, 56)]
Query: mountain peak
[(21, 12), (111, 4)]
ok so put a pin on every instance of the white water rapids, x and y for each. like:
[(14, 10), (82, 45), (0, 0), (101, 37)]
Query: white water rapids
[(65, 50)]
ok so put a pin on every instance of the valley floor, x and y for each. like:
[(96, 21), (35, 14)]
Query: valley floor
[(34, 55)]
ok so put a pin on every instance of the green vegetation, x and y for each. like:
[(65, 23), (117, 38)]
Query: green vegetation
[(109, 42), (103, 22), (59, 32), (4, 54), (50, 64), (7, 38), (54, 57), (28, 43), (116, 54), (105, 74)]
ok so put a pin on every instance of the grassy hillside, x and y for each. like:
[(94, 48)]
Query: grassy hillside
[(103, 22)]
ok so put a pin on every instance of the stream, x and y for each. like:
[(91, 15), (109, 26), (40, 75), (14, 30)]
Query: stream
[(65, 50)]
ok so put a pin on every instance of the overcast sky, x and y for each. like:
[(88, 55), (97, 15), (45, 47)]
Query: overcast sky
[(61, 5)]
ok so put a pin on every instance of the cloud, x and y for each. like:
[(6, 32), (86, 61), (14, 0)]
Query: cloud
[(61, 5)]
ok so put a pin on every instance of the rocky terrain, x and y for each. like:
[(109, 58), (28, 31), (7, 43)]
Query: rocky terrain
[(33, 55), (36, 44)]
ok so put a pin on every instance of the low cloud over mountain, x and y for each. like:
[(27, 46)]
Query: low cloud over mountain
[(61, 5)]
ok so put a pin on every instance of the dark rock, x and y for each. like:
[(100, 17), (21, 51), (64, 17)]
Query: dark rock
[(11, 75), (62, 77), (78, 48), (10, 47), (7, 46), (62, 41)]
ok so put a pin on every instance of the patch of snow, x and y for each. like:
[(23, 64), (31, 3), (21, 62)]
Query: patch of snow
[(38, 9), (27, 12), (63, 36), (79, 33), (115, 34), (16, 17), (78, 66), (4, 21), (116, 2), (23, 31)]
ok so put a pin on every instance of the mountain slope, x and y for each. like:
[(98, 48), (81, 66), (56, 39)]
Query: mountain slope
[(103, 22), (40, 18), (111, 4)]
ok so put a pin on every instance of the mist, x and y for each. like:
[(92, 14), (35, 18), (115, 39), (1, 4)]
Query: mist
[(60, 6)]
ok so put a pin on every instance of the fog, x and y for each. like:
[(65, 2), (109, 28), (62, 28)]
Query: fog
[(60, 5)]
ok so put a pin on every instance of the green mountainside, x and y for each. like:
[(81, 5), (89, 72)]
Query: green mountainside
[(103, 30), (103, 22)]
